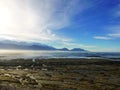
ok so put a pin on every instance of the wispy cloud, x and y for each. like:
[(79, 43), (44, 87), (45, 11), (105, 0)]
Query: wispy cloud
[(116, 35), (116, 11), (114, 28), (36, 20), (102, 37), (110, 36)]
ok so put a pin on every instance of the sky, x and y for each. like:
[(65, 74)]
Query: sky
[(93, 25)]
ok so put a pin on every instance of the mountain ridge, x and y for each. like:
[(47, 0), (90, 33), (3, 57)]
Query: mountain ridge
[(31, 46)]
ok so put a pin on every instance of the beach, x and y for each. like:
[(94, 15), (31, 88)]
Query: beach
[(59, 74)]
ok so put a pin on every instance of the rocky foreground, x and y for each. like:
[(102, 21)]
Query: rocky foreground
[(59, 74)]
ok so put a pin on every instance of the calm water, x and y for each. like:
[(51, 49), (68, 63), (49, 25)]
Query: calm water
[(13, 54)]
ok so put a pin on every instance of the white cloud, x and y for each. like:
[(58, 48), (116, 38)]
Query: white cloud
[(116, 35), (114, 29), (110, 36), (103, 37), (36, 20)]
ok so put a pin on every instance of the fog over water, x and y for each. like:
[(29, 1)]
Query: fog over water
[(34, 54)]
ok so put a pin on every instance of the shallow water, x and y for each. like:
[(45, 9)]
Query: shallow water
[(26, 54)]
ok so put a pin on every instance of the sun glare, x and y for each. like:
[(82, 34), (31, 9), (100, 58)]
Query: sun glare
[(5, 16)]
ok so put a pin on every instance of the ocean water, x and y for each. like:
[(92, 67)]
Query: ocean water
[(33, 54)]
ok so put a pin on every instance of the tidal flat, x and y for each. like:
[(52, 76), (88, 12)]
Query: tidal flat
[(59, 74)]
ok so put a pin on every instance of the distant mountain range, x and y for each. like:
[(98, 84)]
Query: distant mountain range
[(31, 46)]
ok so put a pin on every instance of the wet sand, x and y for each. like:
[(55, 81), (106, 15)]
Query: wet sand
[(59, 74)]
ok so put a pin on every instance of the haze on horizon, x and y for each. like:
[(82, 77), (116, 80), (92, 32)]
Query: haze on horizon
[(90, 24)]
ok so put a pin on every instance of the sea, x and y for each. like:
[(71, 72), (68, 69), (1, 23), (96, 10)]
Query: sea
[(38, 54)]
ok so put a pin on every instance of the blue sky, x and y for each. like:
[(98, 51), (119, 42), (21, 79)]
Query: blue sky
[(90, 24)]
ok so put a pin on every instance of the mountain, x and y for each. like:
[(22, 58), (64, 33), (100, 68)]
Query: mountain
[(77, 49), (6, 44), (24, 46), (63, 49), (74, 49)]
